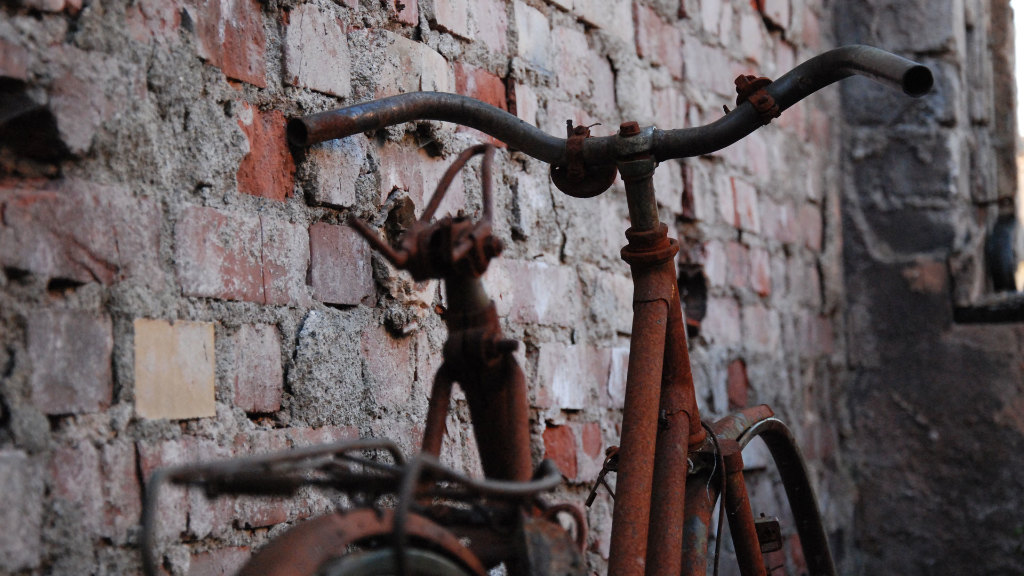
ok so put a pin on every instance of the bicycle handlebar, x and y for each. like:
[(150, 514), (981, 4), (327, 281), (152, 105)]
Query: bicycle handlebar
[(814, 74)]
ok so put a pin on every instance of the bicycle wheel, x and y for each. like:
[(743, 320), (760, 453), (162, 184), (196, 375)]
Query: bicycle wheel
[(382, 562)]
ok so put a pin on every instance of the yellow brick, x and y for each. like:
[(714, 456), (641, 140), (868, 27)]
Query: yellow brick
[(174, 369)]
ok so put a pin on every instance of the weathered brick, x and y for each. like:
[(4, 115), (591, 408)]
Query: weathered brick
[(809, 221), (760, 271), (480, 84), (76, 486), (711, 16), (336, 165), (172, 501), (716, 263), (602, 79), (748, 216), (533, 292), (722, 324), (153, 20), (533, 34), (491, 23), (406, 65), (87, 91), (453, 16), (70, 355), (617, 370), (569, 55), (526, 105), (810, 30), (174, 369), (316, 51), (300, 437), (927, 276), (13, 60), (241, 257), (122, 494), (726, 199), (21, 511), (560, 447), (389, 366), (778, 12), (339, 265), (658, 41), (259, 378), (405, 11), (412, 169), (219, 254), (80, 231), (737, 385), (222, 562), (230, 36), (613, 16), (761, 328), (285, 262), (753, 39), (737, 257), (268, 170), (778, 220), (572, 373)]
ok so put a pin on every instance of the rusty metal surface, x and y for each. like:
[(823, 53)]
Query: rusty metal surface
[(304, 549), (737, 510), (799, 492), (576, 178), (753, 89), (701, 496), (814, 74)]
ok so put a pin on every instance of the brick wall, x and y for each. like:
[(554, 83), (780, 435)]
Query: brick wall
[(178, 285), (934, 429)]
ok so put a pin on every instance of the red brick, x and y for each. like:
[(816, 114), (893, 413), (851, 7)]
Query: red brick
[(153, 20), (560, 447), (70, 356), (748, 216), (222, 562), (21, 511), (339, 269), (491, 21), (241, 257), (453, 16), (738, 260), (480, 84), (80, 231), (760, 272), (737, 385), (230, 36), (316, 51), (259, 378), (268, 170), (122, 494), (76, 485), (405, 11)]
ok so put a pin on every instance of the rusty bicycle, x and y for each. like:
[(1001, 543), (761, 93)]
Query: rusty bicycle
[(415, 516)]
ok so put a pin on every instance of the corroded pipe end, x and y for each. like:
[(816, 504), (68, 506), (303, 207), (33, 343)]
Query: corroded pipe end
[(298, 133), (917, 81)]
